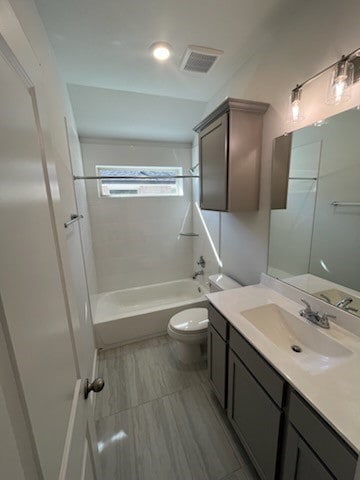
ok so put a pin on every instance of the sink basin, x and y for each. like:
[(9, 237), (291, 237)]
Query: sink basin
[(318, 351)]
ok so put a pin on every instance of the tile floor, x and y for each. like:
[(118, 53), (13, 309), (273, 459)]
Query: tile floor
[(158, 419)]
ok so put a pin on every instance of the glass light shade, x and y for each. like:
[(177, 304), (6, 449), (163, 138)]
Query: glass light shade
[(295, 113), (341, 79)]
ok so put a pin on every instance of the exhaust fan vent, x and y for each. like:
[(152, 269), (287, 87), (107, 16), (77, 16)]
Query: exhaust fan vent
[(199, 59)]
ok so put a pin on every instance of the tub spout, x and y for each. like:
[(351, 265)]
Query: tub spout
[(196, 274)]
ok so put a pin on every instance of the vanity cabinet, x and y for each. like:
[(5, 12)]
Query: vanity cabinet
[(282, 434), (229, 154), (312, 447), (217, 354), (255, 398)]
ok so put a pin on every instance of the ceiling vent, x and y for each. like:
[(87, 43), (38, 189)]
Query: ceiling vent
[(199, 59)]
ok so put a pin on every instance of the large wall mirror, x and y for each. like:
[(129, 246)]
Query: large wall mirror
[(315, 215)]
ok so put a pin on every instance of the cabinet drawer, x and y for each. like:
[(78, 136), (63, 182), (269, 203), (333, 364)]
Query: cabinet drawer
[(255, 418), (218, 322), (270, 380), (330, 448)]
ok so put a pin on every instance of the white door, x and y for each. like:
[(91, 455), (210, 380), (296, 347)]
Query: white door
[(33, 292)]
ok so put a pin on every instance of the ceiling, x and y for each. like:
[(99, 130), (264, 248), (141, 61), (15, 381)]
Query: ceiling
[(105, 45)]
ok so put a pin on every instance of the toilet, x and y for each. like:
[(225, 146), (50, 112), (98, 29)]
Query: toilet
[(189, 327)]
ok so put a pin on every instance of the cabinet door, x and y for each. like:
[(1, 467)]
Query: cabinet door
[(213, 144), (301, 463), (255, 418), (217, 354)]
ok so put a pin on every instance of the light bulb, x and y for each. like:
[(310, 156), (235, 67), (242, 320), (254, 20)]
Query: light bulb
[(295, 109), (161, 51)]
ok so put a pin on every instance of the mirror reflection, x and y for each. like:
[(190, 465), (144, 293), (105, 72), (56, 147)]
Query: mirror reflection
[(315, 216)]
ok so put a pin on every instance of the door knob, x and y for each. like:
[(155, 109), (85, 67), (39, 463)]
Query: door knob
[(96, 386)]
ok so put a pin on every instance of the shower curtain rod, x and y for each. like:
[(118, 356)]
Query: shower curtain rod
[(76, 177)]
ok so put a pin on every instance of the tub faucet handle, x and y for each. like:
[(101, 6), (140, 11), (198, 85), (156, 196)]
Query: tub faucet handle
[(201, 262)]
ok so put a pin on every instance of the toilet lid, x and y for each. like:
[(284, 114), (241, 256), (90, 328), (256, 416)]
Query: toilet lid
[(190, 320)]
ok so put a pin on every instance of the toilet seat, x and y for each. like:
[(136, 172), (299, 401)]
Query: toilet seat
[(190, 321)]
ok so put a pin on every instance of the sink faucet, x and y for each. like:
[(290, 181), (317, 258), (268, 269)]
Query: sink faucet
[(322, 320), (344, 303), (196, 274)]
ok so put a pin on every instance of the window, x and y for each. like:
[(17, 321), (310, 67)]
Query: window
[(148, 181)]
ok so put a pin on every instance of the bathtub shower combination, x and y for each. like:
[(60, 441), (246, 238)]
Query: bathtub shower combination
[(131, 314)]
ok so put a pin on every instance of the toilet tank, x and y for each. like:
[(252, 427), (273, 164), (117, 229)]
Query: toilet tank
[(219, 282)]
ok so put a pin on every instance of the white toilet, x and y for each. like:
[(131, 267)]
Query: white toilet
[(189, 327)]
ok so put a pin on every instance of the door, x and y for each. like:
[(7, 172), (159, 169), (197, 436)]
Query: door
[(255, 418), (301, 462), (213, 146), (35, 298)]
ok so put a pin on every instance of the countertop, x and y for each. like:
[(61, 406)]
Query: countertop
[(333, 392)]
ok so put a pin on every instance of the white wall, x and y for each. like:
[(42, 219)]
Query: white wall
[(136, 240), (203, 245), (316, 36)]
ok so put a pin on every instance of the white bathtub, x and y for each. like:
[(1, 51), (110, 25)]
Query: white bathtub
[(126, 315)]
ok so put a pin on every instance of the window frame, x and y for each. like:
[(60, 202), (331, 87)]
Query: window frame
[(175, 170)]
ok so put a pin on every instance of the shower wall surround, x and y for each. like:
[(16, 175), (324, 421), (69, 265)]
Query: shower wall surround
[(136, 240)]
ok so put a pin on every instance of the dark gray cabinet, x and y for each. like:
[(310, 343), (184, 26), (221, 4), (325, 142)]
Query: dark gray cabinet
[(301, 462), (308, 432), (217, 364), (217, 354), (255, 418), (284, 437), (230, 141)]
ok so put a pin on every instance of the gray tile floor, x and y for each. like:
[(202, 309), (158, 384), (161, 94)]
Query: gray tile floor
[(158, 419)]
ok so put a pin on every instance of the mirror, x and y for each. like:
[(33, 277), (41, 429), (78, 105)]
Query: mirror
[(315, 210)]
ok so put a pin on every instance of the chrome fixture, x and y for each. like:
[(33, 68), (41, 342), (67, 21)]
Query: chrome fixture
[(189, 234), (321, 320), (342, 77), (96, 386), (201, 262), (192, 169), (196, 274), (114, 177), (344, 302), (73, 218), (336, 203)]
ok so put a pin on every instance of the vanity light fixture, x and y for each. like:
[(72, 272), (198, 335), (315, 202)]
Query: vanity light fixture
[(342, 78), (161, 51)]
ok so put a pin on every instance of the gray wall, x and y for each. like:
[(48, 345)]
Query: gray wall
[(316, 37)]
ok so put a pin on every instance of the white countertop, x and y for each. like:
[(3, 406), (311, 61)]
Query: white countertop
[(333, 392)]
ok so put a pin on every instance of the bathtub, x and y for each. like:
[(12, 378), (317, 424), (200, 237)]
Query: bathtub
[(131, 314)]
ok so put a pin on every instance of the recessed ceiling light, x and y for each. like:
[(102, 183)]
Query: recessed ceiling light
[(161, 51)]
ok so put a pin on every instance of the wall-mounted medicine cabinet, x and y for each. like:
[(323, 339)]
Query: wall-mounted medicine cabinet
[(230, 151)]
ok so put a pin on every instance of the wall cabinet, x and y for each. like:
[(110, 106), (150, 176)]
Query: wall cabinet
[(284, 437), (230, 152)]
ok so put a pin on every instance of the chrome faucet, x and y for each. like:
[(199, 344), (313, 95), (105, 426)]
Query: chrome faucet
[(196, 274), (344, 302), (322, 320)]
